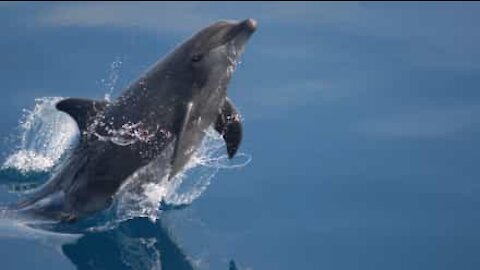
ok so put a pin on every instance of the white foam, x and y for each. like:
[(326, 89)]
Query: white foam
[(29, 161), (45, 135)]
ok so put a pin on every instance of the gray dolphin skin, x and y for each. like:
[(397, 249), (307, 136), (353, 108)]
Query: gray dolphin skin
[(163, 115)]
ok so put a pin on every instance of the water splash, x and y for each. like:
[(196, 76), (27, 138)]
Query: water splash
[(128, 133), (187, 186), (109, 83), (45, 136)]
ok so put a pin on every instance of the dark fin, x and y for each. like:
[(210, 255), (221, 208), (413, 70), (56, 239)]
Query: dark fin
[(229, 125), (82, 110), (180, 147)]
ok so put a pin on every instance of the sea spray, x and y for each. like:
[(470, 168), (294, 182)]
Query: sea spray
[(45, 135), (109, 83)]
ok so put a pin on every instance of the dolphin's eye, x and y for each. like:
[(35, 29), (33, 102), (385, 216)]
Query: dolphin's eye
[(196, 58)]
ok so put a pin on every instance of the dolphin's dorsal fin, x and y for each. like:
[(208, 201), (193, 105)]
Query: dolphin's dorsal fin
[(229, 125), (81, 110)]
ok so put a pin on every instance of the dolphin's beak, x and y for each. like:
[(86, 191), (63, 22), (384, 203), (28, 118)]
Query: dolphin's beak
[(242, 29), (250, 24), (237, 37)]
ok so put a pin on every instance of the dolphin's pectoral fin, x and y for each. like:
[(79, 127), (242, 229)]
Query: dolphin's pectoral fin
[(81, 110), (229, 125), (178, 159)]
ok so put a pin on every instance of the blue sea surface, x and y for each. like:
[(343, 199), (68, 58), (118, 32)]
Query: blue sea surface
[(360, 150)]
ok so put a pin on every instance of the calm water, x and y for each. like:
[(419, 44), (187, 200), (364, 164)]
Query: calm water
[(360, 151)]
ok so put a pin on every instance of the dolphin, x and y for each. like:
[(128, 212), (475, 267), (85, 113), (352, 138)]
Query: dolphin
[(163, 115)]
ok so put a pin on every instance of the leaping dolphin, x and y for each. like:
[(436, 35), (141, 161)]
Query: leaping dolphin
[(168, 107)]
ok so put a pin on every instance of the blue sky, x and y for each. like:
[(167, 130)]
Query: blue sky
[(362, 120)]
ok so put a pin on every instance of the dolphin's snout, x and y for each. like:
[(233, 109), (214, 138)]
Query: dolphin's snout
[(250, 23), (239, 32)]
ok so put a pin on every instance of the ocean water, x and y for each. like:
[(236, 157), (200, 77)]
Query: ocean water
[(360, 149)]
